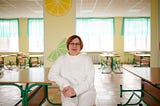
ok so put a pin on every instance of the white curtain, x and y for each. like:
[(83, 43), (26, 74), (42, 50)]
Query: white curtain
[(36, 35), (96, 33), (9, 35), (136, 34)]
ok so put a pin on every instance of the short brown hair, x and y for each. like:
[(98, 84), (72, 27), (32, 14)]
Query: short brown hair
[(69, 40)]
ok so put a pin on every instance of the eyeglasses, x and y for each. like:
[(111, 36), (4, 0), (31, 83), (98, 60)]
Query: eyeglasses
[(76, 44)]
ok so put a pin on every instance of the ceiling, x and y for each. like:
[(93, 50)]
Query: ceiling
[(84, 8)]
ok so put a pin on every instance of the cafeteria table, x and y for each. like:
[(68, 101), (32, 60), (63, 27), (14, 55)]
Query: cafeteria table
[(35, 91), (110, 64), (150, 86)]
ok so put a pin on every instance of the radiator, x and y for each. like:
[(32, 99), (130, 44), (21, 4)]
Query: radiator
[(95, 58)]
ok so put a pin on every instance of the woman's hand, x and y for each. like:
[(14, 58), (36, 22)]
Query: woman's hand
[(68, 91)]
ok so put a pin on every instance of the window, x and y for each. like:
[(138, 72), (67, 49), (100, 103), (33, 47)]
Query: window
[(136, 34), (36, 35), (9, 35), (96, 33)]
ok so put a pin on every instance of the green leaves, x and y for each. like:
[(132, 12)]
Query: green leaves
[(60, 50)]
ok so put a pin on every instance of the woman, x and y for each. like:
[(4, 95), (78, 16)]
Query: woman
[(74, 73)]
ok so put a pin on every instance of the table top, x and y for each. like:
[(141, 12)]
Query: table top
[(148, 55), (109, 55), (151, 74), (34, 55), (30, 75), (6, 55)]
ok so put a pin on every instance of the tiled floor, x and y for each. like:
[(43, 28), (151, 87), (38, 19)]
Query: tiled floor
[(107, 87)]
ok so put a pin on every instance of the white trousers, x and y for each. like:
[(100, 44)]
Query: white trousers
[(86, 99)]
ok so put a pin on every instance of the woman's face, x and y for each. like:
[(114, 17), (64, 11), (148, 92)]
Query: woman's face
[(74, 47)]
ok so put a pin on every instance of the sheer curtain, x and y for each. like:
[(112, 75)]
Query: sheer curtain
[(96, 33), (36, 35), (136, 34), (9, 35)]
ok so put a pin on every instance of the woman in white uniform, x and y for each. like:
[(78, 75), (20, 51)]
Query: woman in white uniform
[(74, 73)]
